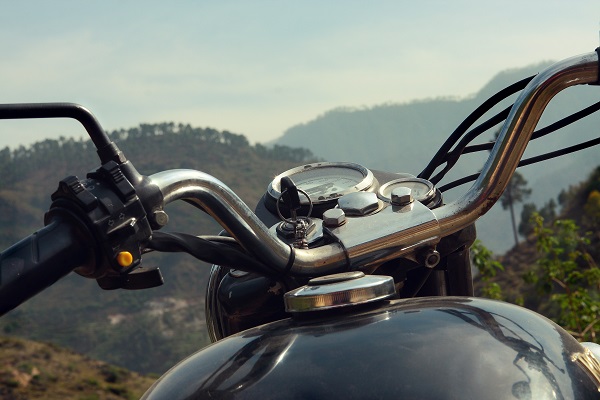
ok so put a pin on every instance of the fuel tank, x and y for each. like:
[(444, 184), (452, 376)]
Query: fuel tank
[(425, 348)]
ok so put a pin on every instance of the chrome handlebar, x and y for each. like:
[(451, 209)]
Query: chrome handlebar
[(220, 202), (513, 139), (363, 242)]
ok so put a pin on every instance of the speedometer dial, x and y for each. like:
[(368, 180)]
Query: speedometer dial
[(326, 182), (421, 190), (323, 183)]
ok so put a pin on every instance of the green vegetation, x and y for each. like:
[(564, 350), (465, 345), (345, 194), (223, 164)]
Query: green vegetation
[(488, 268), (567, 271), (559, 275)]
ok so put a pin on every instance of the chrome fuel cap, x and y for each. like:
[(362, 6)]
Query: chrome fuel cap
[(339, 290)]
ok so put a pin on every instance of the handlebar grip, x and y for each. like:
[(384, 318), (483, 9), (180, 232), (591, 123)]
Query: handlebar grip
[(41, 259)]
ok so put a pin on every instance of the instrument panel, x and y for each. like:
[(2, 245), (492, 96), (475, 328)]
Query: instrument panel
[(325, 182)]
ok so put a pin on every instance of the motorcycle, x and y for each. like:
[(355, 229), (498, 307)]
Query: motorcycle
[(342, 283)]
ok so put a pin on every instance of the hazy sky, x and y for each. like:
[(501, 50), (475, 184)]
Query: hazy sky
[(260, 67)]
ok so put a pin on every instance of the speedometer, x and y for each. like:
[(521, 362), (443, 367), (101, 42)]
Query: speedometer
[(325, 182), (421, 190)]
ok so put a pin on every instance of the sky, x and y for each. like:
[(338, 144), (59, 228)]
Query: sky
[(260, 67)]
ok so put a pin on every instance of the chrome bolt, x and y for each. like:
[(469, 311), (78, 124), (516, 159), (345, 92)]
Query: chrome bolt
[(160, 217), (334, 217), (358, 203), (402, 196), (432, 258)]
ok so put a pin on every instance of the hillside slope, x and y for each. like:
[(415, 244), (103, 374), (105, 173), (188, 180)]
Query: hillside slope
[(33, 370), (580, 204)]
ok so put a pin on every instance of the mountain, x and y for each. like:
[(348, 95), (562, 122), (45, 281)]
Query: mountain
[(148, 330), (403, 137)]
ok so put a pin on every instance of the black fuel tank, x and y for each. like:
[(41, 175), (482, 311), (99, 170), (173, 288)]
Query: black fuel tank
[(427, 348)]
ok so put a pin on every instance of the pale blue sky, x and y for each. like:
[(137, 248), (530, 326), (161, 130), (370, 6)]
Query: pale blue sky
[(260, 67)]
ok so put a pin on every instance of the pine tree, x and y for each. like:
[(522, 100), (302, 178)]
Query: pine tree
[(516, 192)]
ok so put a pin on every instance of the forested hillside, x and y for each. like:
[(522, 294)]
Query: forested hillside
[(146, 331), (554, 271)]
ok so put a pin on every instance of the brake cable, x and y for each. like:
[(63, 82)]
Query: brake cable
[(470, 120), (452, 157), (528, 161)]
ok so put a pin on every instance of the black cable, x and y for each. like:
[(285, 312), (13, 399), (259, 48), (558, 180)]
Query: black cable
[(337, 240), (528, 161), (479, 147), (544, 131), (561, 152), (452, 157), (470, 120), (221, 250), (458, 182), (221, 239)]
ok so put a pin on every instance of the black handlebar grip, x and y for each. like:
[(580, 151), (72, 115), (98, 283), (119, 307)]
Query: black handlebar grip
[(38, 261)]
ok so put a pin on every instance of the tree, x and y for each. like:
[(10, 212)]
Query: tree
[(548, 212), (488, 267), (525, 227), (516, 192), (592, 209), (564, 197), (568, 272)]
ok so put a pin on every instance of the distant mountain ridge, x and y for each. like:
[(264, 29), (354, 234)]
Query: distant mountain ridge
[(347, 131), (403, 137)]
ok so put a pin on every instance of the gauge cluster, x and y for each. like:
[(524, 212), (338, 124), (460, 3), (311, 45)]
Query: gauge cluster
[(326, 182)]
